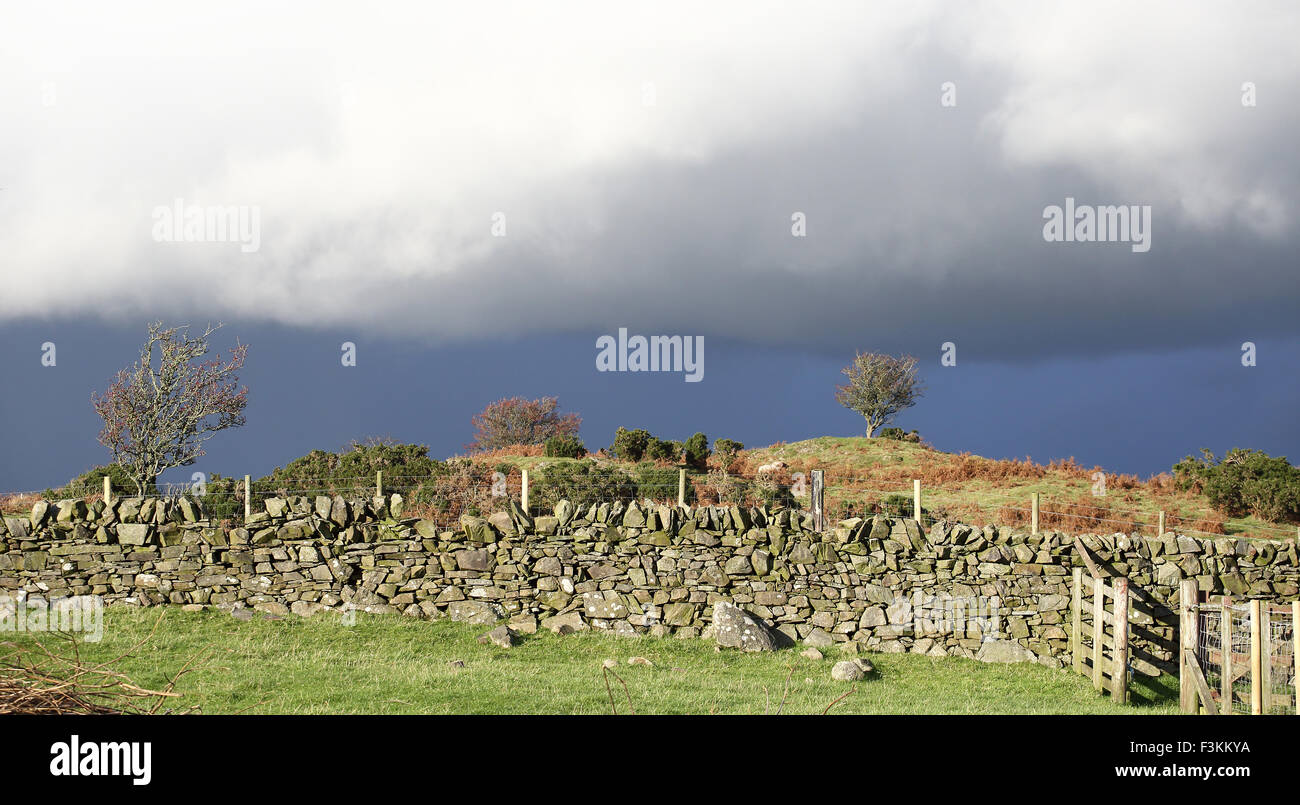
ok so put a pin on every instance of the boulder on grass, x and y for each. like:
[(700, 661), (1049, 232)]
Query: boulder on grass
[(733, 627)]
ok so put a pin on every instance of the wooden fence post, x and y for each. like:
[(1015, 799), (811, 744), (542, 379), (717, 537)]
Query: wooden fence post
[(379, 483), (1186, 642), (1034, 507), (1076, 623), (1119, 668), (248, 499), (523, 490), (1225, 663), (1266, 657), (681, 488), (1160, 531), (818, 502), (108, 491), (1256, 654), (1098, 628), (916, 499), (1295, 651)]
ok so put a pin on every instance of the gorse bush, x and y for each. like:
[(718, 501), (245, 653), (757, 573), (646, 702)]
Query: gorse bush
[(899, 435), (1244, 482), (353, 467), (638, 445), (658, 483), (662, 450), (696, 451), (581, 483), (92, 481), (565, 447), (630, 445)]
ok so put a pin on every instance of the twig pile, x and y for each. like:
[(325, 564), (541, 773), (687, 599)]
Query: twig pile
[(39, 681)]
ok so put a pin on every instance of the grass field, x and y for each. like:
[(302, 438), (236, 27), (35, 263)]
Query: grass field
[(394, 664)]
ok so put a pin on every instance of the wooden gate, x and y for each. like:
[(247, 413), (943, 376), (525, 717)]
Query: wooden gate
[(1237, 657), (1109, 648)]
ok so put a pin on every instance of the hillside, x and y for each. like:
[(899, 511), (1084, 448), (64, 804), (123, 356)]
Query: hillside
[(981, 490), (862, 476)]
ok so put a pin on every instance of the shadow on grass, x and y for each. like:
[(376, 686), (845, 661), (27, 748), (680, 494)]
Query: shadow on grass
[(1146, 691)]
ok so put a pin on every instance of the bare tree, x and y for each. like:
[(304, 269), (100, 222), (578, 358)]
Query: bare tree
[(879, 387), (158, 413)]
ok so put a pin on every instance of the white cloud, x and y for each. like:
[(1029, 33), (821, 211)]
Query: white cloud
[(378, 146)]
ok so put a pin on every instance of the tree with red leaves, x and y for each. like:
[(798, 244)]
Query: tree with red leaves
[(158, 413), (518, 421)]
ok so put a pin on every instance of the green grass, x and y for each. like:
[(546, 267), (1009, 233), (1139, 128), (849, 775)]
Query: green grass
[(395, 664), (893, 464)]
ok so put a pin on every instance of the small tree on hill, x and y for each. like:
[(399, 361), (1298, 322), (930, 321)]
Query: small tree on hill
[(879, 387), (518, 421), (158, 413)]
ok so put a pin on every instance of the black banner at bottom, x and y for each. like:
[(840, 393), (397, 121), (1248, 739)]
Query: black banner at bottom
[(299, 754)]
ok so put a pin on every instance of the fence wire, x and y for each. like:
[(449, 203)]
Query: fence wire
[(1280, 694), (478, 489), (1277, 643)]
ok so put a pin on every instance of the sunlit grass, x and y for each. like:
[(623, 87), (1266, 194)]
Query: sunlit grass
[(396, 664)]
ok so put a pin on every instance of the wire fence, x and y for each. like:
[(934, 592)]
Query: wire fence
[(478, 490), (1010, 509), (1233, 662)]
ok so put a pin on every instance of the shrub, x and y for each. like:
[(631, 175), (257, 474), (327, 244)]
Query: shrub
[(726, 450), (630, 445), (461, 486), (565, 447), (1244, 482), (771, 491), (899, 435), (353, 468), (582, 483), (516, 420), (224, 498), (92, 481), (696, 451), (658, 483), (896, 506), (727, 488), (663, 450)]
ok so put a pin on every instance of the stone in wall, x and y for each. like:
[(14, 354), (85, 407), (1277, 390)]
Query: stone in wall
[(882, 583)]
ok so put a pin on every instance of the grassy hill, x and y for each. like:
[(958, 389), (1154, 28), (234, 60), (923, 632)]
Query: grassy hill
[(860, 471), (864, 475)]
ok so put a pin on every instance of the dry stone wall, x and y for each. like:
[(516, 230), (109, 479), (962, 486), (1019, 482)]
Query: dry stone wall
[(886, 584)]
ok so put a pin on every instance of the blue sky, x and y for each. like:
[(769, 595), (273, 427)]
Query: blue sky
[(1135, 413)]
